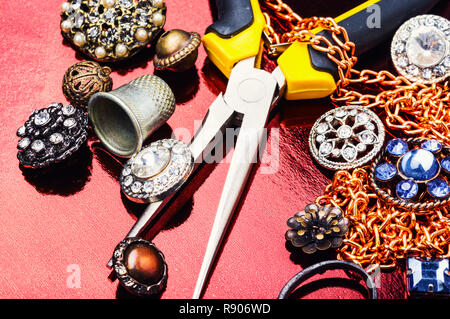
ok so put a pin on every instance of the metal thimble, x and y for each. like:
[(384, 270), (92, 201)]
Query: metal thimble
[(125, 117)]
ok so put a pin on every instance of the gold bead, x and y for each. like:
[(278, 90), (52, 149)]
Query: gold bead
[(176, 50)]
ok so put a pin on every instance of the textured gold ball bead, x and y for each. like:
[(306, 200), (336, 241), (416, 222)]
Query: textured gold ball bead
[(83, 79), (176, 50)]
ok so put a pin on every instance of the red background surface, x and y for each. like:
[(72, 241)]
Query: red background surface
[(78, 215)]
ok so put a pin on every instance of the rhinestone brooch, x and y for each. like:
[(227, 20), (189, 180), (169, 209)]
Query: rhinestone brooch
[(51, 135), (112, 30), (346, 137), (413, 173), (420, 49), (157, 171)]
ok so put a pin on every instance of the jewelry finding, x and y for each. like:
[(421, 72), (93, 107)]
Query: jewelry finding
[(140, 266), (157, 171), (317, 228), (176, 50), (51, 135), (111, 30), (412, 174), (84, 79), (346, 137), (420, 49)]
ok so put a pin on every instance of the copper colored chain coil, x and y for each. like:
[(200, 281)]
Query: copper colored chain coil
[(380, 233)]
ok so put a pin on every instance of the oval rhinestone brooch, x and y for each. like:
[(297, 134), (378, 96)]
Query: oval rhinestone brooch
[(346, 137), (420, 49), (413, 173), (51, 135), (112, 30), (317, 228), (157, 171)]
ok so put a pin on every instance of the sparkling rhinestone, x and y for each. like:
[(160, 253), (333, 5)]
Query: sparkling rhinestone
[(426, 47), (162, 180), (402, 61), (76, 4), (78, 20), (361, 147), (344, 131), (329, 118), (117, 254), (68, 110), (419, 164), (142, 19), (150, 161), (438, 188), (429, 21), (413, 70), (404, 35), (126, 34), (110, 36), (362, 118), (37, 146), (385, 171), (21, 131), (126, 3), (23, 143), (447, 61), (407, 189), (340, 112), (174, 171), (179, 149), (128, 181), (399, 48), (427, 74), (56, 138), (442, 24), (439, 70), (353, 112), (70, 122), (93, 33), (445, 164), (349, 153), (368, 137), (336, 152), (126, 171), (322, 128), (433, 146), (136, 187), (148, 187), (370, 126), (120, 270), (94, 3), (320, 138), (93, 17), (110, 15), (428, 275), (168, 143), (397, 147), (41, 118), (325, 148)]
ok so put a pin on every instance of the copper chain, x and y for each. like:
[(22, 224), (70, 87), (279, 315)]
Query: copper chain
[(380, 234)]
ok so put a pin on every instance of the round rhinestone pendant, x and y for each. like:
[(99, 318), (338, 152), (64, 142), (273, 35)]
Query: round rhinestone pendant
[(157, 171), (346, 137), (420, 49)]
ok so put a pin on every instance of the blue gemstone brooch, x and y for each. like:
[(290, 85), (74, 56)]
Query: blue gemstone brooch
[(413, 173)]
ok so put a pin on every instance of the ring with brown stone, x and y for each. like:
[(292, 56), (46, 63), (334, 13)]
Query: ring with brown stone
[(140, 266)]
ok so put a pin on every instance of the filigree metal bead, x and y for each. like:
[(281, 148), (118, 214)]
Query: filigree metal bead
[(317, 228), (84, 79), (112, 30), (51, 135)]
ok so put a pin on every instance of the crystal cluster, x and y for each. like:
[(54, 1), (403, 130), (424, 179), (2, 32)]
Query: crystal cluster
[(420, 49), (346, 137), (51, 135), (110, 30), (413, 170), (156, 171), (317, 228)]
